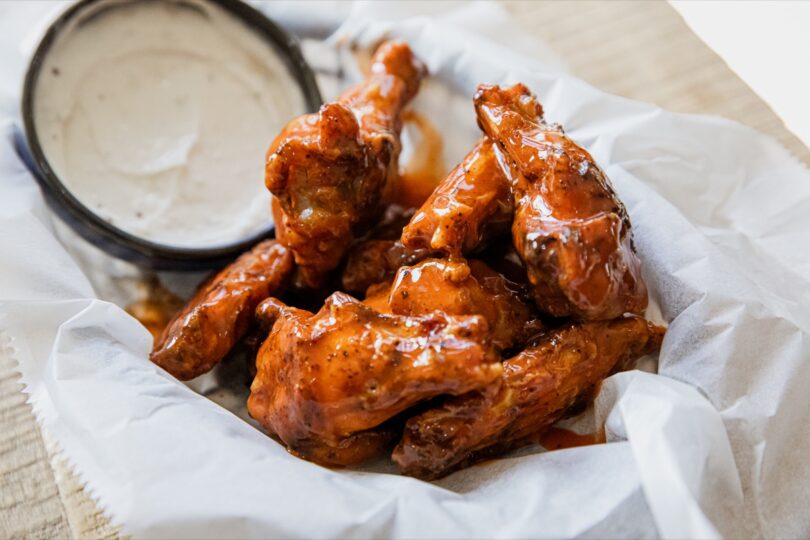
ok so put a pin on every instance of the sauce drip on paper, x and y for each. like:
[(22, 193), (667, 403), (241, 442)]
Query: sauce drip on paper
[(155, 307), (556, 438), (426, 168)]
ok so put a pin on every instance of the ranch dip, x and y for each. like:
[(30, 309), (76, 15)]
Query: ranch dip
[(156, 116)]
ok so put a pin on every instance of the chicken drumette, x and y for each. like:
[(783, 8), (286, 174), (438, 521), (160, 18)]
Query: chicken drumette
[(333, 172), (325, 381), (570, 229), (221, 312), (539, 385)]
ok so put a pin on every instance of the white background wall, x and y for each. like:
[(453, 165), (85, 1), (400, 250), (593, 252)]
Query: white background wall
[(767, 44)]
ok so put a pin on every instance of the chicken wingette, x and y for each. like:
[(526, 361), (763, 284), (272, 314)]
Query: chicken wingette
[(538, 387), (222, 311)]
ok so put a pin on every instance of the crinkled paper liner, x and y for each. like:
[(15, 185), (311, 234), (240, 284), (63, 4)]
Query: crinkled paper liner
[(720, 221)]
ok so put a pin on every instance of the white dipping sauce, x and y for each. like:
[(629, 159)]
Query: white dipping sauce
[(156, 116)]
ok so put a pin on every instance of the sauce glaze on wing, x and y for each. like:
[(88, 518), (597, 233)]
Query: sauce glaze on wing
[(377, 258), (322, 379), (334, 172), (538, 387), (472, 203), (459, 287), (222, 311), (570, 229)]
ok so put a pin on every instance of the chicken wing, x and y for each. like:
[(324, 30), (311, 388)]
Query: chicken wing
[(333, 172), (539, 385), (570, 229), (474, 202), (222, 311), (326, 380), (459, 287)]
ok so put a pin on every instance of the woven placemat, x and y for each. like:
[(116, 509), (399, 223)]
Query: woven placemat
[(641, 50)]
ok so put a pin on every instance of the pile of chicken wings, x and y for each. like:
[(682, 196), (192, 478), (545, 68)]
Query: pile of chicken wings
[(448, 333)]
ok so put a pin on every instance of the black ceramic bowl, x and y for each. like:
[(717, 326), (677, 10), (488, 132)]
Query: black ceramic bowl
[(96, 230)]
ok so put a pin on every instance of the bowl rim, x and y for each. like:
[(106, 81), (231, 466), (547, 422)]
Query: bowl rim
[(93, 227)]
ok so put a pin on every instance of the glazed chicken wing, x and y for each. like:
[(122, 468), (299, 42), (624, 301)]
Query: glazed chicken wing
[(222, 311), (333, 172), (459, 287), (539, 385), (570, 229), (325, 381), (474, 202)]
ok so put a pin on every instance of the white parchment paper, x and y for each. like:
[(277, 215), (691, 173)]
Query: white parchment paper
[(713, 445)]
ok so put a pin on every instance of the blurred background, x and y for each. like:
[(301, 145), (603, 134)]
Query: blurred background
[(764, 43), (738, 59)]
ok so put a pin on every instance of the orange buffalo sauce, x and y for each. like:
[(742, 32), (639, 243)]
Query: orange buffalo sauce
[(559, 438), (155, 307), (423, 172)]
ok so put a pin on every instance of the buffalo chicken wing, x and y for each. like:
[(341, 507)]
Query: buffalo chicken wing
[(570, 229), (445, 359), (222, 311), (333, 172), (325, 381), (539, 385)]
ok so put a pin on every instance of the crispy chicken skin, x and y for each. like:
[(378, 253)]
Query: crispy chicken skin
[(325, 380), (222, 311), (459, 287), (474, 202), (539, 385), (570, 229), (333, 172)]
